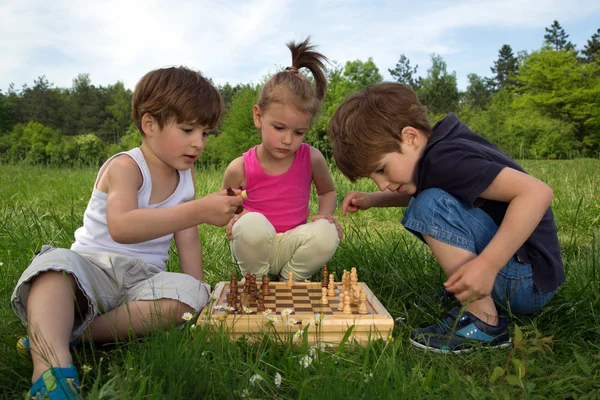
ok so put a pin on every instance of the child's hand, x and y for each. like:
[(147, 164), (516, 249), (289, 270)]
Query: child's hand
[(355, 201), (232, 222), (473, 280), (332, 220), (219, 207)]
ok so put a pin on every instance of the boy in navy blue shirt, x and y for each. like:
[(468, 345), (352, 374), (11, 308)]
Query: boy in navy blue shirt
[(487, 222)]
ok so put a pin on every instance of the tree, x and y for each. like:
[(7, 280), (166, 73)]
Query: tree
[(556, 85), (238, 131), (591, 51), (41, 103), (478, 93), (119, 109), (404, 73), (557, 38), (439, 91), (505, 68)]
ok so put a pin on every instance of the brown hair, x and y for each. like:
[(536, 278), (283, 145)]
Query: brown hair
[(176, 93), (290, 82), (368, 124)]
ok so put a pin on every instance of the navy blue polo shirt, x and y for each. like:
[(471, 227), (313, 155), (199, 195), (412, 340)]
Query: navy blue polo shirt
[(464, 164)]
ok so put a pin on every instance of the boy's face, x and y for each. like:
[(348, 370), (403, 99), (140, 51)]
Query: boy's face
[(178, 145), (396, 171)]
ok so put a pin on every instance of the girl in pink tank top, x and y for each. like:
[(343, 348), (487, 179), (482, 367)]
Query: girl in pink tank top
[(272, 235)]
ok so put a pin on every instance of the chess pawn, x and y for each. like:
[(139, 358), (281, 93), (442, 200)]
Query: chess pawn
[(324, 299), (265, 285), (260, 305), (362, 308), (347, 306), (341, 301), (290, 281), (331, 292)]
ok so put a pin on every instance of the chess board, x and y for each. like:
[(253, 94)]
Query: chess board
[(304, 298)]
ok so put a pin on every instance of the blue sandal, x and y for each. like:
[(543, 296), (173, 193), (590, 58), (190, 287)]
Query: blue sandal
[(56, 384)]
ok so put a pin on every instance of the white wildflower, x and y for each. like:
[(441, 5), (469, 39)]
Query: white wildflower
[(306, 361), (245, 393), (368, 377), (187, 316), (298, 334), (286, 312), (86, 368), (277, 379), (291, 322), (246, 309), (254, 378)]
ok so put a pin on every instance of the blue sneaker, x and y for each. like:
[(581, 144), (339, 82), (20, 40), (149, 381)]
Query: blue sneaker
[(461, 332), (24, 347), (56, 384)]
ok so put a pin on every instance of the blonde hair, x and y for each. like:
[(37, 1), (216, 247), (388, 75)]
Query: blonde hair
[(289, 81)]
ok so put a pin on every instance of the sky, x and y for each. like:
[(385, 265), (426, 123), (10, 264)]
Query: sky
[(242, 41)]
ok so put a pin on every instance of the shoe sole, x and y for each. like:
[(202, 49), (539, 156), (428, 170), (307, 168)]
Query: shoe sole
[(421, 346)]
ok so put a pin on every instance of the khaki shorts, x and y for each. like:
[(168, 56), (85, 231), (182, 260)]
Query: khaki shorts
[(109, 280)]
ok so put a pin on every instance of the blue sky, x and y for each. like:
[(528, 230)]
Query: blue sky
[(241, 41)]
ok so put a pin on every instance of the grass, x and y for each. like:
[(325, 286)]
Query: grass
[(556, 352)]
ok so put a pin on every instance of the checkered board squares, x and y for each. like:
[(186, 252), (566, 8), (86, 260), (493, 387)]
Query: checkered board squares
[(304, 298)]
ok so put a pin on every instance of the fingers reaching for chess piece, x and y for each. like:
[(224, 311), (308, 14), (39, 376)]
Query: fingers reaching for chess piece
[(243, 195)]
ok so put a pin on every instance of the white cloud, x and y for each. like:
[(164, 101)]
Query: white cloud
[(241, 41)]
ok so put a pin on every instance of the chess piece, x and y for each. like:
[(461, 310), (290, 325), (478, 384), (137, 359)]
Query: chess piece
[(253, 287), (265, 285), (341, 301), (362, 308), (245, 299), (354, 277), (347, 306), (325, 276), (260, 305), (290, 281), (324, 299), (331, 291)]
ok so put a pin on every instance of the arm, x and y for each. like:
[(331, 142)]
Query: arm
[(323, 183), (325, 189), (528, 200), (129, 224), (189, 248), (356, 201), (234, 177)]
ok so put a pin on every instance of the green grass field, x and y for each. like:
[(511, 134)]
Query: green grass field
[(556, 352)]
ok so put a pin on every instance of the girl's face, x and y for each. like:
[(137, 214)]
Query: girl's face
[(283, 127)]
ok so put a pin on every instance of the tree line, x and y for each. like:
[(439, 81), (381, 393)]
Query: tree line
[(543, 104)]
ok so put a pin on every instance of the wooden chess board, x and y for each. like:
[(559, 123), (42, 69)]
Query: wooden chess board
[(304, 298)]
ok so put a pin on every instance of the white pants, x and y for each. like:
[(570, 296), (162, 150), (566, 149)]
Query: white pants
[(258, 249)]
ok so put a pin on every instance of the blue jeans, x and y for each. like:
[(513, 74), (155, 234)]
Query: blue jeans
[(436, 213)]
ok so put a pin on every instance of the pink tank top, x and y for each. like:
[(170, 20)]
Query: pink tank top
[(282, 199)]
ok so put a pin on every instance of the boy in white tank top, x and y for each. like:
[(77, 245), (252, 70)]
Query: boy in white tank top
[(112, 279)]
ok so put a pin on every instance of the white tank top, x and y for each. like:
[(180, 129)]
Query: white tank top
[(93, 236)]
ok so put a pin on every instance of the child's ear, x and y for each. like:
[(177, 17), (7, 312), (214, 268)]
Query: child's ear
[(257, 116), (411, 137), (149, 124)]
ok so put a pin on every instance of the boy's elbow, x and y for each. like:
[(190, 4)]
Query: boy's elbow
[(546, 193), (117, 233)]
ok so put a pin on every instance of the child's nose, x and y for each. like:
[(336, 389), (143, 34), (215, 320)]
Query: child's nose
[(286, 138)]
